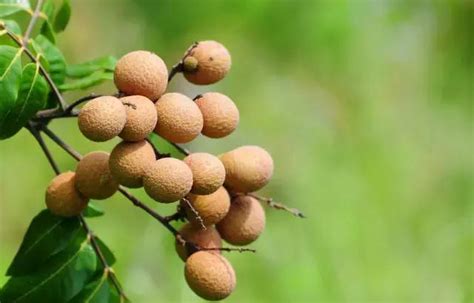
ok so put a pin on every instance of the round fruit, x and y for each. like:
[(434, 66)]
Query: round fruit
[(141, 118), (209, 275), (168, 180), (204, 238), (248, 168), (213, 63), (62, 197), (179, 118), (129, 160), (93, 177), (220, 115), (211, 208), (141, 73), (208, 173), (102, 118), (244, 222)]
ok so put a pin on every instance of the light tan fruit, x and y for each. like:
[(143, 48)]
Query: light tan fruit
[(141, 73), (129, 160), (208, 172), (248, 168), (209, 275), (211, 208), (179, 118), (93, 177), (244, 222), (213, 63), (62, 197), (220, 115), (204, 238), (168, 180), (102, 118), (141, 118)]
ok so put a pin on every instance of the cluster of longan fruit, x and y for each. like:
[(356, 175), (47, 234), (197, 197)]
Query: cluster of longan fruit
[(212, 190)]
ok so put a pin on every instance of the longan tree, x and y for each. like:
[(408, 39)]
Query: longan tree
[(61, 259)]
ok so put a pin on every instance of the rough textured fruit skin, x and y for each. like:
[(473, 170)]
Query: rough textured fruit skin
[(248, 168), (213, 63), (141, 118), (211, 208), (179, 118), (204, 238), (93, 177), (208, 173), (102, 118), (141, 73), (168, 180), (220, 115), (209, 275), (244, 222), (129, 160), (62, 197)]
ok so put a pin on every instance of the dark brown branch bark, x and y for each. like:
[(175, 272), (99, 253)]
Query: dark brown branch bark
[(44, 147)]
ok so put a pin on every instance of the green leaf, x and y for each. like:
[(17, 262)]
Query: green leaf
[(93, 211), (63, 16), (10, 77), (8, 7), (47, 235), (12, 26), (108, 254), (89, 81), (85, 69), (47, 27), (99, 290), (57, 63)]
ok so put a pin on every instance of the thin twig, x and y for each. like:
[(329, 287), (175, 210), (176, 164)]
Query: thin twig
[(61, 143), (178, 67), (276, 205), (33, 20), (195, 212), (44, 147), (229, 249)]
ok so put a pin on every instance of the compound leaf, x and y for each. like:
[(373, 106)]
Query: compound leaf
[(85, 69), (63, 16), (89, 81), (10, 78), (56, 61), (8, 7), (92, 211)]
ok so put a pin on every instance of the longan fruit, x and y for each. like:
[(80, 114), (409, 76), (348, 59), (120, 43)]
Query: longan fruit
[(244, 222), (208, 172), (179, 118), (129, 160), (210, 208), (141, 73), (141, 118), (204, 238), (62, 197), (213, 63), (210, 275), (220, 115), (102, 118), (248, 168), (168, 180), (93, 177)]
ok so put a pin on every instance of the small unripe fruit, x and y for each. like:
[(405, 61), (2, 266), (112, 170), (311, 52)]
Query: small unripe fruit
[(93, 177), (179, 118), (141, 118), (220, 115), (209, 275), (244, 222), (62, 197), (168, 180), (102, 118), (210, 208), (208, 173), (129, 160), (248, 168), (204, 238), (213, 63), (141, 73)]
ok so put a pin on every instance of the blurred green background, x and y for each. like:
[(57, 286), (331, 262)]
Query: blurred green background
[(366, 107)]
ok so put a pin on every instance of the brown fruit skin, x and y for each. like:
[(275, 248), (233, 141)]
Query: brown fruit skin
[(208, 172), (204, 238), (213, 63), (141, 118), (244, 222), (248, 168), (62, 197), (179, 118), (93, 177), (129, 160), (168, 180), (220, 115), (210, 275), (141, 73), (102, 118), (211, 208)]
